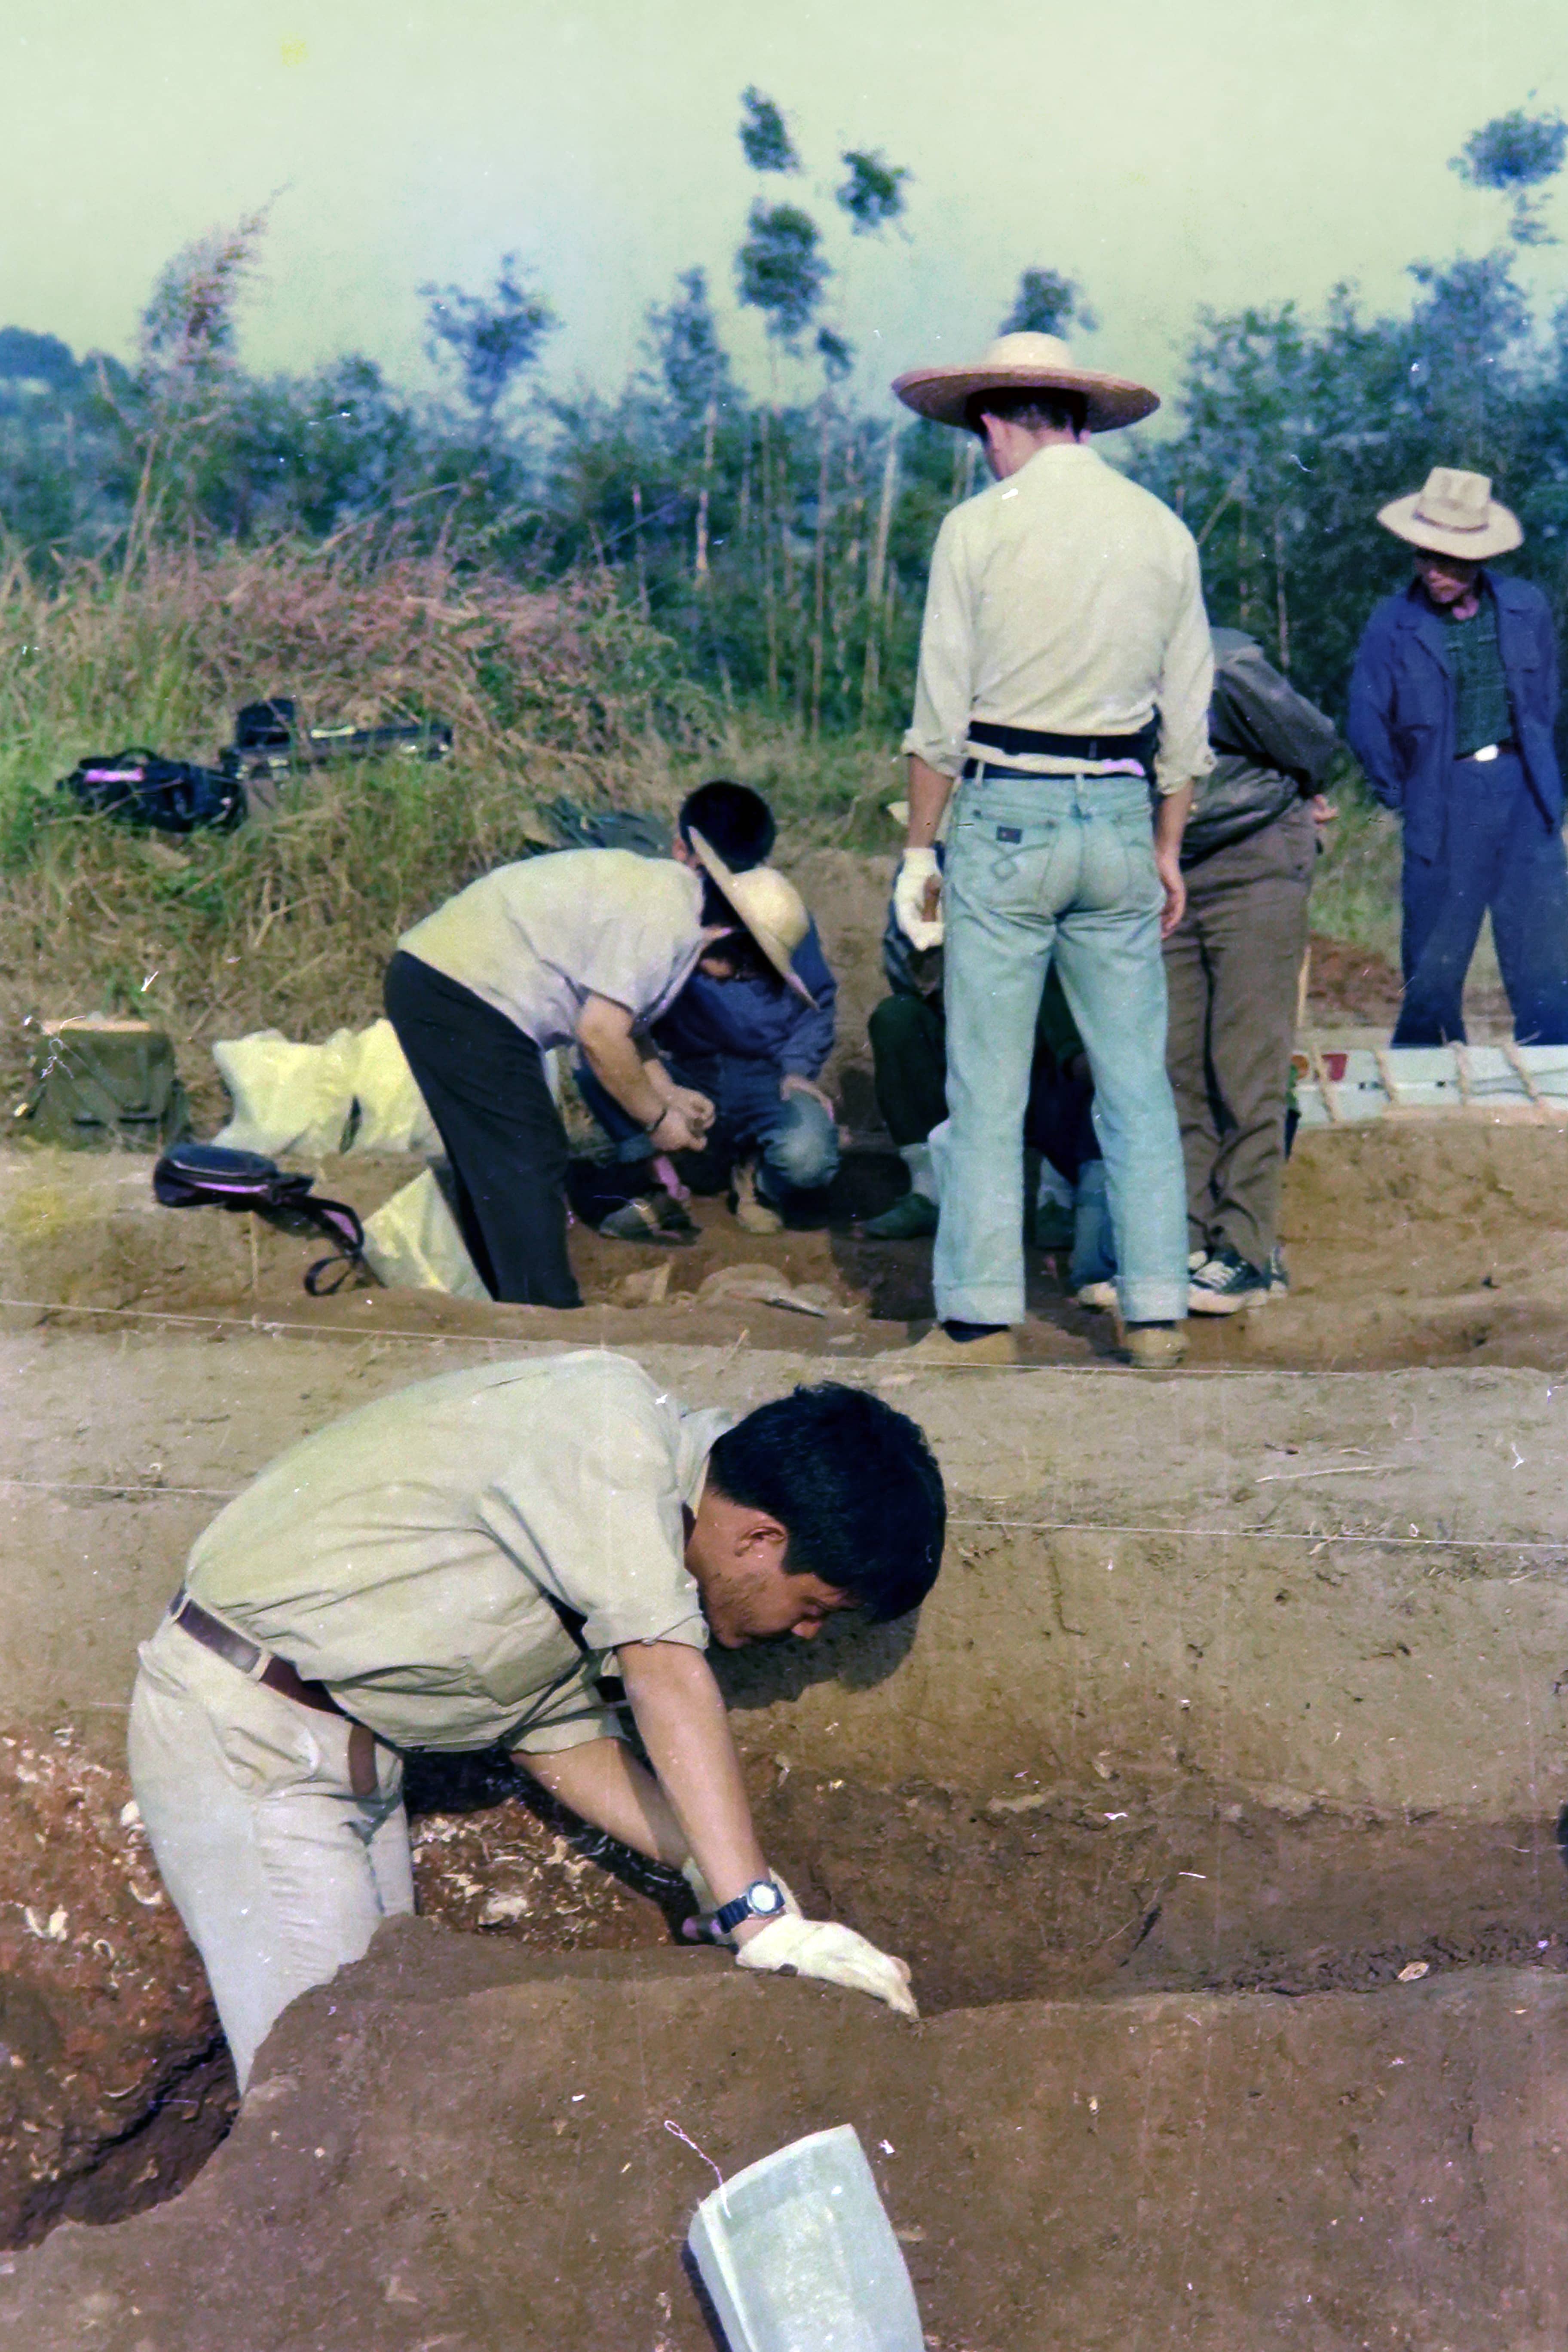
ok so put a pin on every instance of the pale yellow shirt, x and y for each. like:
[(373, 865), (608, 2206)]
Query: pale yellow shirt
[(538, 939), (1066, 598), (411, 1556)]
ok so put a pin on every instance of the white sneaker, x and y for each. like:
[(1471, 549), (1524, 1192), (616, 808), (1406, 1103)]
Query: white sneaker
[(1225, 1285), (1101, 1295)]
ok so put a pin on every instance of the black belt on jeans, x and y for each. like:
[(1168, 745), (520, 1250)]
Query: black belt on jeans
[(1020, 742)]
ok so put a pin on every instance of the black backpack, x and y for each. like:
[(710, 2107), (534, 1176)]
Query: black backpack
[(207, 1175), (140, 787)]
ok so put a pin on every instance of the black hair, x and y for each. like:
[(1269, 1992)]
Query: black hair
[(732, 819), (1038, 407), (853, 1482)]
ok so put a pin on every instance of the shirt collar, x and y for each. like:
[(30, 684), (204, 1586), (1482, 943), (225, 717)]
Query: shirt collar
[(699, 1431)]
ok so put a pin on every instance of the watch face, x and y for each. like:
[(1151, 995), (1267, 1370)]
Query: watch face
[(764, 1898)]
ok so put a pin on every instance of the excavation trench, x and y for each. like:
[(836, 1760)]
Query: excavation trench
[(1212, 1801), (1099, 1893)]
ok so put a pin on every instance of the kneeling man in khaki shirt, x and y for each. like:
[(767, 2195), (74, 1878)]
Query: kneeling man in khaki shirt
[(459, 1564)]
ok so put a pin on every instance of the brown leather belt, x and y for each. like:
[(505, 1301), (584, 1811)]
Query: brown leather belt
[(246, 1655)]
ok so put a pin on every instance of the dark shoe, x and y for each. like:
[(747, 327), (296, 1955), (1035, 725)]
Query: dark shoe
[(909, 1218), (650, 1217), (1225, 1285), (1278, 1273)]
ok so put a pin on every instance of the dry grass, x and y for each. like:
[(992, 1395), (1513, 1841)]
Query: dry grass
[(289, 922)]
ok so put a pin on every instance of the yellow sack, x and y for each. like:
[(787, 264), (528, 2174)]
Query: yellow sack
[(413, 1242), (392, 1113), (289, 1100)]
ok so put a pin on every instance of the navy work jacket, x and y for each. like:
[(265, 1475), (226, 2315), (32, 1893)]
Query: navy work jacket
[(1402, 705), (755, 1020)]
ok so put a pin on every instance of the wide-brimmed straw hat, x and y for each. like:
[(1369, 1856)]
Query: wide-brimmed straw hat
[(1453, 514), (768, 904), (1024, 363)]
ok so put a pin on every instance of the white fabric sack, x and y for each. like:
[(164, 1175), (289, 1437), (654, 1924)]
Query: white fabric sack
[(300, 1099), (413, 1242), (288, 1098), (392, 1113)]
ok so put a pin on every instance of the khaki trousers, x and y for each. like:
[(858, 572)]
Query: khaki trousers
[(1232, 967), (280, 1872)]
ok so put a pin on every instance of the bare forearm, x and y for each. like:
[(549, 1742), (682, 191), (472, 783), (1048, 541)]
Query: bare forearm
[(602, 1782), (928, 794), (616, 1058), (1171, 819), (680, 1714)]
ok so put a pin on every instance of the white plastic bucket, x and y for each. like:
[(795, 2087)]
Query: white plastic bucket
[(798, 2256)]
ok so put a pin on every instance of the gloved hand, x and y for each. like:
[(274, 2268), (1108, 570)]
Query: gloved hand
[(913, 897), (820, 1948)]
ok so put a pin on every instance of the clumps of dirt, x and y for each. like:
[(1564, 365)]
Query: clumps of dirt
[(115, 2084), (115, 2080)]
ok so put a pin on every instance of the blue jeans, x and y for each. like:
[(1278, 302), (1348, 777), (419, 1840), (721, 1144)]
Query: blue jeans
[(1063, 866), (1499, 853), (796, 1138)]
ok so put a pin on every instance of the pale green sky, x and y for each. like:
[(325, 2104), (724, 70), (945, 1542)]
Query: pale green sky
[(1215, 152)]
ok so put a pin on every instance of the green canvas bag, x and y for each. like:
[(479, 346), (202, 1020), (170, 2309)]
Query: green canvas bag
[(100, 1084)]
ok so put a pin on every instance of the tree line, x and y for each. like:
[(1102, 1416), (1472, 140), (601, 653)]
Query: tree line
[(782, 542)]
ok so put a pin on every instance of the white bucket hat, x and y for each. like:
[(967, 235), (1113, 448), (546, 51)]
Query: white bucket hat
[(1025, 363), (1453, 514), (768, 904)]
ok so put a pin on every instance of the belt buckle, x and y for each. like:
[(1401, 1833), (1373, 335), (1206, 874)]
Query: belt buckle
[(1487, 752)]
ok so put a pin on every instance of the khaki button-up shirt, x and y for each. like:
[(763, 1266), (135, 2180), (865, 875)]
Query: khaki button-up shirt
[(1069, 599), (418, 1556), (538, 939)]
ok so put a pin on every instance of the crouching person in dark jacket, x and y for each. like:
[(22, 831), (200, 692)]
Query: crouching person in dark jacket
[(1452, 706), (752, 1030)]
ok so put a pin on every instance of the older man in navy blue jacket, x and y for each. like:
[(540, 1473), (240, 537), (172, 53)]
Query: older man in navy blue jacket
[(1451, 710)]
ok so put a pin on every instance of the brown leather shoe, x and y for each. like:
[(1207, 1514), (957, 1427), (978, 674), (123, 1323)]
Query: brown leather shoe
[(940, 1347), (750, 1212), (1151, 1347)]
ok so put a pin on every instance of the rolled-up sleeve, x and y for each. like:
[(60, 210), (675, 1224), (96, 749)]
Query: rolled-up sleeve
[(944, 685), (1186, 682), (597, 1523)]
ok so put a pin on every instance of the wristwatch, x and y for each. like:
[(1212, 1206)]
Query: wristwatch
[(763, 1899)]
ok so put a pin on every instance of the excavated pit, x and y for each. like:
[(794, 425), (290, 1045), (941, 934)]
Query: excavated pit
[(1217, 1785)]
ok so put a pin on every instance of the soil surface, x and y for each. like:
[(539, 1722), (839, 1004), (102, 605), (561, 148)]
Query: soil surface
[(460, 2144), (1212, 1801), (1416, 1241)]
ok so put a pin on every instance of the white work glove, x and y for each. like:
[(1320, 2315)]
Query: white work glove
[(918, 870), (820, 1948)]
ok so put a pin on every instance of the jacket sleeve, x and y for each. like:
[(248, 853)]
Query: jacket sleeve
[(1371, 708), (1277, 726), (810, 1040)]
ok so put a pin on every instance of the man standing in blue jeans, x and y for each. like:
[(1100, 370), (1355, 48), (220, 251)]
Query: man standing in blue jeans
[(1064, 610), (1452, 706)]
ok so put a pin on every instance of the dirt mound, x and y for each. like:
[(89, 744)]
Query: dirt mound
[(453, 2144)]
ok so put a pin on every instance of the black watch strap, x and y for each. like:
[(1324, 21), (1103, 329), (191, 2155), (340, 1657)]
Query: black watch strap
[(763, 1899)]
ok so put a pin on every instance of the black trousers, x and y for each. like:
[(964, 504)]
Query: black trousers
[(484, 1082)]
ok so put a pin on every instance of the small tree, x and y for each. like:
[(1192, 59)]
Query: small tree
[(1516, 154), (1046, 303), (765, 141), (491, 338), (873, 193)]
